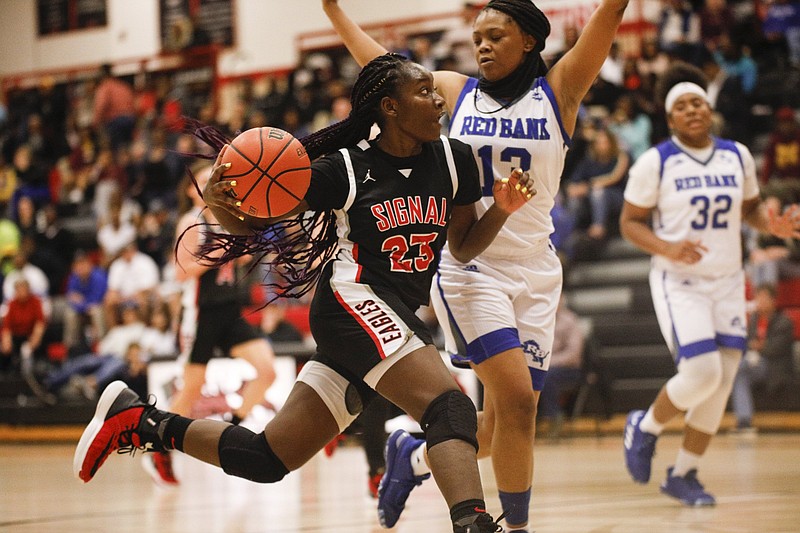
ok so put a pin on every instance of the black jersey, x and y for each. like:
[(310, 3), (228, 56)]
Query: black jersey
[(216, 286), (391, 227)]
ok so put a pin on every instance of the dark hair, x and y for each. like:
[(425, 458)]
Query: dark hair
[(676, 73), (294, 250), (534, 22)]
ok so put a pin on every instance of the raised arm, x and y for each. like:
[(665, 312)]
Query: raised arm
[(361, 46), (364, 48), (574, 74)]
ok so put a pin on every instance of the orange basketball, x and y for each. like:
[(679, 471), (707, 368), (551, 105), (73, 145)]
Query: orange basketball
[(271, 169)]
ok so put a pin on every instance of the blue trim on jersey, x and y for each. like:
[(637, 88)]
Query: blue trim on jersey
[(731, 341), (470, 86), (461, 358), (697, 348), (542, 82), (493, 343), (666, 150), (537, 378), (725, 144)]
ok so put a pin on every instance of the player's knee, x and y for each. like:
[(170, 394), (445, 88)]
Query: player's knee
[(248, 455), (706, 373), (517, 408), (450, 416)]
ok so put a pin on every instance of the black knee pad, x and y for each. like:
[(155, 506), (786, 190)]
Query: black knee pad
[(450, 416), (245, 454)]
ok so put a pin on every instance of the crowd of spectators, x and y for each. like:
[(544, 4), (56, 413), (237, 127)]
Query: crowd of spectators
[(109, 154)]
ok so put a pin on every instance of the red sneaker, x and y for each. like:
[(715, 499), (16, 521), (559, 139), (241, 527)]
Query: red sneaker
[(372, 483), (330, 448), (159, 466), (123, 423)]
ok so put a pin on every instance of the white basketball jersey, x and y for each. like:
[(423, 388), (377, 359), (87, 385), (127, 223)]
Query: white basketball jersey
[(527, 134), (696, 199)]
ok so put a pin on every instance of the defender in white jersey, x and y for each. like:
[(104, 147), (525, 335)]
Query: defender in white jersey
[(498, 311), (685, 202)]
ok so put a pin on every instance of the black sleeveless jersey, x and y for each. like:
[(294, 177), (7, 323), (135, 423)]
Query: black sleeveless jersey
[(216, 286), (391, 227)]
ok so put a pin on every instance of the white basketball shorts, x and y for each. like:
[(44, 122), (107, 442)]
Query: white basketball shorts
[(492, 305), (698, 314)]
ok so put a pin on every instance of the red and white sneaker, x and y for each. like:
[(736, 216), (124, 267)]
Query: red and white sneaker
[(123, 423), (159, 466)]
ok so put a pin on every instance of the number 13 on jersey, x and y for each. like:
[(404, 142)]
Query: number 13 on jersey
[(517, 157)]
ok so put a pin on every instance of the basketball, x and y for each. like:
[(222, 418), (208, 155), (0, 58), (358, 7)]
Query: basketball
[(271, 169)]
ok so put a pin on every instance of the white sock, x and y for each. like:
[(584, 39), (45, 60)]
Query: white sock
[(685, 461), (418, 464), (648, 423)]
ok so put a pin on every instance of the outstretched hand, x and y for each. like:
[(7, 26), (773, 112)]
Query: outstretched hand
[(513, 192), (785, 225)]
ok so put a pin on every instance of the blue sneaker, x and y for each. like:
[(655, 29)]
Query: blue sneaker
[(460, 361), (687, 489), (399, 478), (639, 448)]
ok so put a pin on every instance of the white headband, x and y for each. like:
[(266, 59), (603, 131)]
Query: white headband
[(680, 89)]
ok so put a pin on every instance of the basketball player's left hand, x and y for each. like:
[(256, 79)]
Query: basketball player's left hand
[(785, 225), (511, 193)]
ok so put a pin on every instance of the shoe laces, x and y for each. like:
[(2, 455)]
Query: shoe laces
[(648, 444), (692, 481), (125, 440), (485, 519)]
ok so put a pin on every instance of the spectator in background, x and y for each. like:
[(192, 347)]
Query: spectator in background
[(597, 183), (565, 366), (114, 109), (22, 327), (612, 70), (716, 20), (132, 277), (108, 363), (781, 163), (678, 28), (653, 61), (727, 99), (632, 127), (156, 233), (9, 244), (159, 340), (735, 62), (55, 246), (768, 359), (31, 179), (86, 287), (782, 22), (22, 268), (114, 235)]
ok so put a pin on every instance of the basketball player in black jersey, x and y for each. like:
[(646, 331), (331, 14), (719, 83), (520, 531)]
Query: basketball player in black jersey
[(211, 321), (390, 203)]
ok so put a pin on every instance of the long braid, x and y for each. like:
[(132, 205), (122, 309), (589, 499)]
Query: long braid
[(293, 251)]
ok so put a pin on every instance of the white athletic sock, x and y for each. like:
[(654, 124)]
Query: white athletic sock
[(418, 464), (648, 423), (685, 461)]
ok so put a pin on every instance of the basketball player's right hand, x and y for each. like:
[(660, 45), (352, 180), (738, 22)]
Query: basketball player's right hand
[(688, 252), (216, 193)]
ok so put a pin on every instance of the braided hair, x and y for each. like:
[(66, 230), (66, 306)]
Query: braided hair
[(293, 251), (533, 22)]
